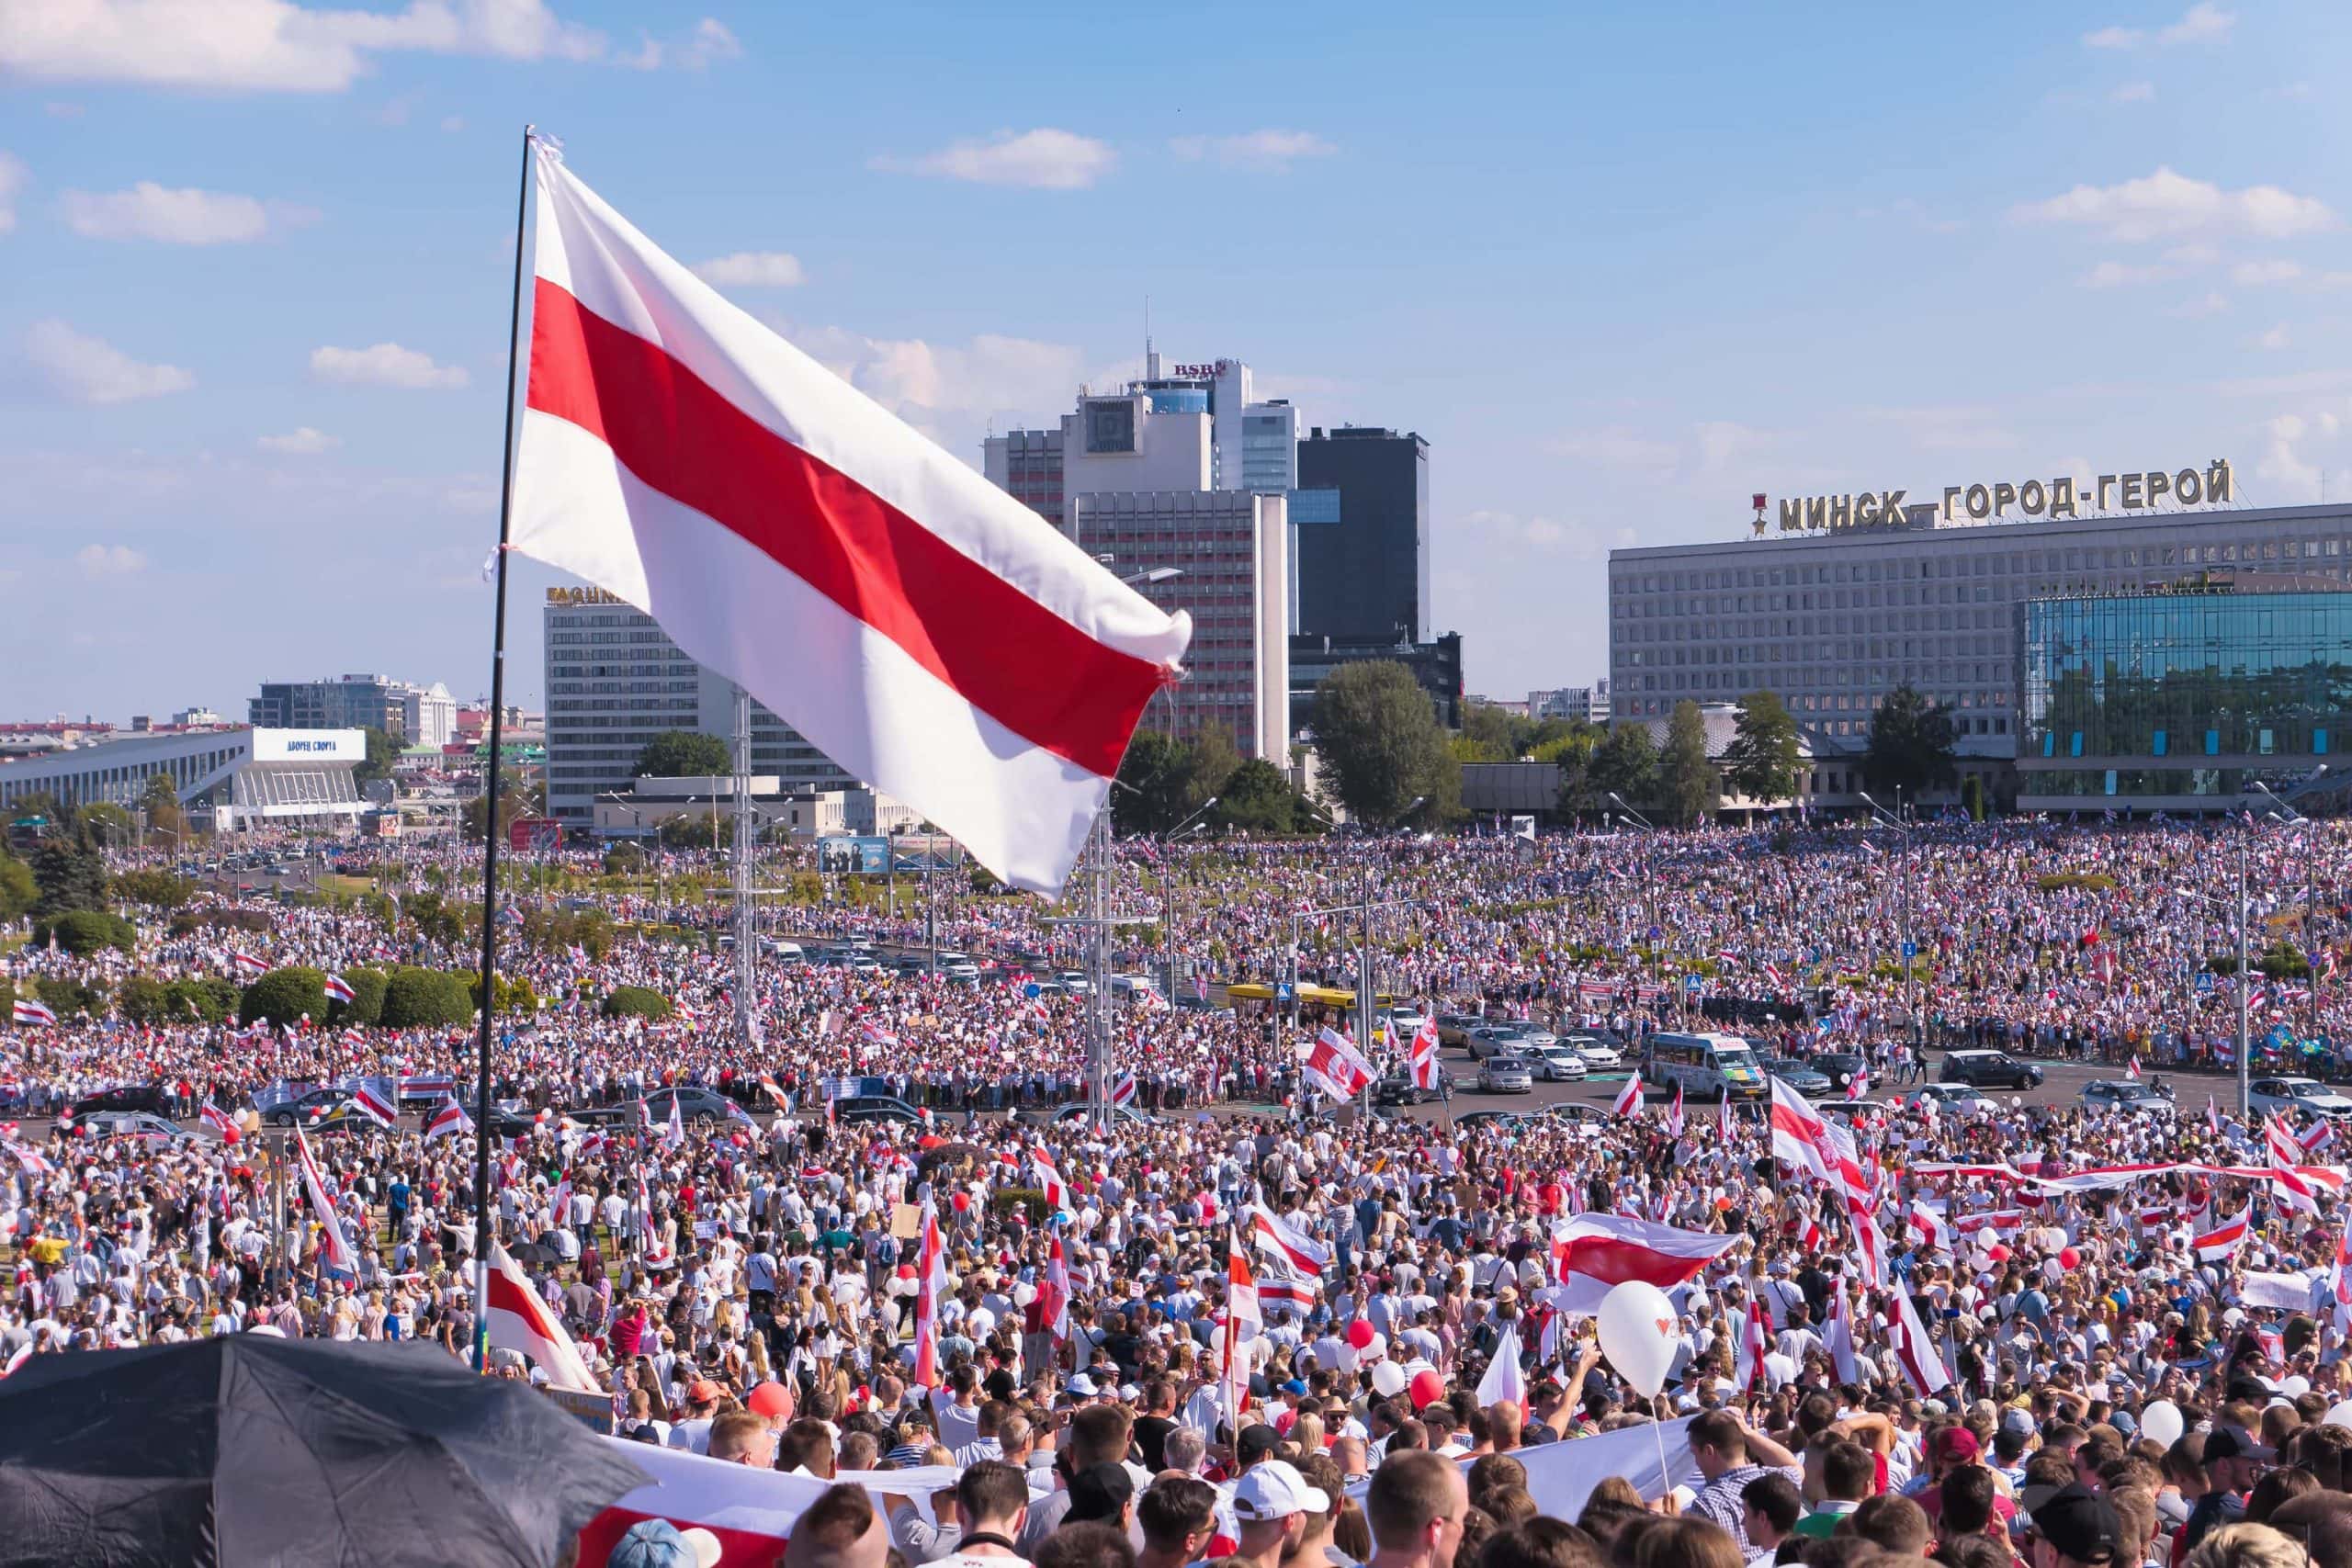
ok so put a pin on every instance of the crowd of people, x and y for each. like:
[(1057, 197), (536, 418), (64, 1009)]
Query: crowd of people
[(1253, 1323)]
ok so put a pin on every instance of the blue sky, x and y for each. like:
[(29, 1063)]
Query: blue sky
[(1622, 266)]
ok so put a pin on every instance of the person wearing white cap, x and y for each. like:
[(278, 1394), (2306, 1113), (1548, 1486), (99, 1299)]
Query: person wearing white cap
[(1271, 1502)]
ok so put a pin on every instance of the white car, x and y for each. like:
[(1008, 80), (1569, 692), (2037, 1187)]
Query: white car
[(1594, 1051), (1961, 1097), (2297, 1094), (1556, 1063), (1403, 1022)]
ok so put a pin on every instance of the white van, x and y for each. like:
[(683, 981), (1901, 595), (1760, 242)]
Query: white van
[(1708, 1067)]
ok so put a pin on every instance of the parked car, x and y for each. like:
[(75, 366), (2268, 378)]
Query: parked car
[(2297, 1094), (1598, 1055), (1124, 1115), (305, 1110), (1491, 1119), (1453, 1028), (2122, 1094), (1840, 1068), (875, 1107), (1488, 1039), (1961, 1097), (1579, 1115), (1398, 1088), (1993, 1069), (1558, 1062), (147, 1097), (1505, 1073), (141, 1126), (697, 1107), (1799, 1076)]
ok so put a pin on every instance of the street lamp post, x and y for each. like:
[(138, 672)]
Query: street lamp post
[(2245, 1073), (1168, 841), (2311, 905), (1915, 1027)]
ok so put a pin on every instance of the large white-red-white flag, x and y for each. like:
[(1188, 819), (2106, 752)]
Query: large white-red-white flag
[(925, 630), (1286, 1243), (1923, 1364), (518, 1320), (931, 1283), (1426, 1072), (1334, 1068), (1593, 1252), (2219, 1241), (1629, 1098)]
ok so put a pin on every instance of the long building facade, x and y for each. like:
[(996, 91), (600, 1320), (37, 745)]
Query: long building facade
[(1831, 620)]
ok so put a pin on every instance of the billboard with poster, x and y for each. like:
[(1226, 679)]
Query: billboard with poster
[(842, 854)]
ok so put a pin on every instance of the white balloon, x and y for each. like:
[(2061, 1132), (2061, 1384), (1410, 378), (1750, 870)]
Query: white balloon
[(1023, 1293), (2338, 1415), (1378, 1350), (2161, 1422), (1636, 1324), (2295, 1387), (1389, 1380)]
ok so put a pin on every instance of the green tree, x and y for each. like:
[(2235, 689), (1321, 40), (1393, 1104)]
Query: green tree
[(84, 932), (687, 830), (516, 797), (426, 998), (213, 999), (1156, 770), (285, 995), (70, 998), (38, 805), (70, 873), (158, 889), (1687, 784), (1762, 761), (383, 750), (637, 1001), (161, 802), (1972, 797), (366, 1004), (1493, 735), (143, 1001), (104, 825), (624, 859), (18, 891), (1258, 799), (1625, 764), (1377, 737), (683, 753), (1212, 763), (1910, 750)]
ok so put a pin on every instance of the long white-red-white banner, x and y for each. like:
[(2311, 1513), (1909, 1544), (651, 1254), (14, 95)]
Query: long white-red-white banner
[(2110, 1178), (929, 633), (751, 1511)]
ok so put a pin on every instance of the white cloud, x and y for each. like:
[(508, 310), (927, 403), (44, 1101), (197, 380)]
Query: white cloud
[(302, 439), (13, 175), (2198, 23), (2281, 465), (1721, 443), (267, 45), (1046, 159), (711, 43), (90, 370), (384, 365), (2134, 92), (2276, 338), (2166, 204), (186, 217), (1274, 150), (109, 560), (2212, 303), (1510, 530), (2122, 274), (752, 269), (2266, 272), (1614, 446)]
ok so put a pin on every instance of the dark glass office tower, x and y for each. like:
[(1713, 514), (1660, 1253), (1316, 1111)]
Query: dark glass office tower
[(1365, 576)]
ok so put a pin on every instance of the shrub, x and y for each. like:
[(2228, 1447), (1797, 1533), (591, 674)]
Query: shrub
[(514, 993), (367, 1003), (84, 932), (624, 860), (68, 998), (1007, 1201), (143, 1001), (425, 999), (159, 888), (637, 1001), (284, 995), (2097, 881), (210, 1000)]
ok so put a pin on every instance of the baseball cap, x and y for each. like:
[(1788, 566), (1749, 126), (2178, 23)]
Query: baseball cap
[(1955, 1444), (658, 1543), (1276, 1489), (2080, 1523), (702, 1390), (1099, 1492), (2018, 1421), (2236, 1442), (1257, 1442), (770, 1399), (1080, 1386)]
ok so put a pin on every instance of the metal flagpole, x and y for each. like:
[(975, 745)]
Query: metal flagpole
[(490, 785), (746, 926)]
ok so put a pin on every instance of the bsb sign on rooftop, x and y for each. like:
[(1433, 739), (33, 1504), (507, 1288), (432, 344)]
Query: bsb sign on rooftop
[(1970, 505)]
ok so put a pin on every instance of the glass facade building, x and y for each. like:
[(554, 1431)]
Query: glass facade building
[(2181, 698)]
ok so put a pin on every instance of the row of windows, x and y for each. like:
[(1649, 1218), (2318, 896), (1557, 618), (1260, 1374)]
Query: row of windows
[(1952, 562)]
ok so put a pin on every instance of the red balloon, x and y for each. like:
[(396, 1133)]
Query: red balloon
[(961, 1202), (2069, 1258), (1427, 1388), (1360, 1333), (1997, 1253)]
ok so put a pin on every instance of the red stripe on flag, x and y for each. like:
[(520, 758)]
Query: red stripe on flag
[(1002, 651)]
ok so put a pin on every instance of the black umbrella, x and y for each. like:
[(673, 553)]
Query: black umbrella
[(254, 1450)]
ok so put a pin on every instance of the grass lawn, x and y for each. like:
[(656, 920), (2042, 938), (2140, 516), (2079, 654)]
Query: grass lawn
[(329, 882)]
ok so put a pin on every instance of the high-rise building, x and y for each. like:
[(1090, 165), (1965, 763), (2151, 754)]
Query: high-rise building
[(1227, 553), (1366, 576), (355, 702), (614, 681), (1436, 665), (1027, 464)]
